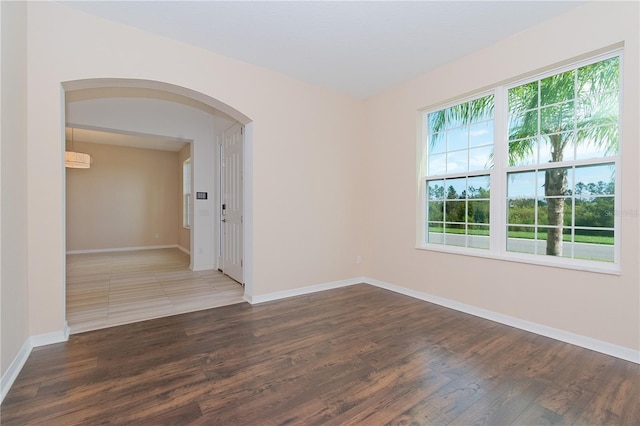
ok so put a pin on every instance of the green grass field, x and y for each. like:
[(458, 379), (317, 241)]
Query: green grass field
[(529, 235)]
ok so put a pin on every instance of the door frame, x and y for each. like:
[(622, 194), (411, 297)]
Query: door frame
[(221, 227)]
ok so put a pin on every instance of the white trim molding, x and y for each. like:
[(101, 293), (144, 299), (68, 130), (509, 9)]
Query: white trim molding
[(261, 298), (23, 354), (50, 338), (606, 348), (179, 247), (107, 250), (14, 369)]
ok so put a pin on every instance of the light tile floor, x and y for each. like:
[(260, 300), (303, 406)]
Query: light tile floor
[(114, 288)]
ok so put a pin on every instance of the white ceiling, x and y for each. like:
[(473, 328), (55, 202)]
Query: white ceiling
[(359, 48)]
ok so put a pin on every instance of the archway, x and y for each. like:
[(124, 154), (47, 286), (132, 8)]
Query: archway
[(137, 88)]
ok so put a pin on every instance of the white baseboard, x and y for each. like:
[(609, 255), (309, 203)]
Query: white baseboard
[(205, 267), (607, 348), (14, 369), (302, 290), (23, 354), (107, 250), (50, 338), (179, 247)]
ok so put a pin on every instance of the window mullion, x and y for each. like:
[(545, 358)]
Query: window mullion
[(498, 174)]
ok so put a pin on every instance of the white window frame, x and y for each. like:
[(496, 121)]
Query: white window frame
[(498, 179)]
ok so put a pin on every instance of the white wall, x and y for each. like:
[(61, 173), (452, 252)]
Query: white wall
[(306, 169), (599, 306), (161, 117), (13, 154)]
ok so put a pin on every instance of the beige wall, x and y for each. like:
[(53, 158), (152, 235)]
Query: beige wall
[(306, 153), (600, 306), (128, 198), (333, 177), (184, 234), (13, 261)]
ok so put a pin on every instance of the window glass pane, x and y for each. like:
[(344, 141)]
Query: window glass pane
[(481, 109), (455, 210), (521, 239), (435, 233), (435, 190), (597, 142), (523, 97), (558, 207), (457, 161), (595, 180), (455, 234), (436, 121), (551, 241), (481, 158), (457, 138), (523, 152), (597, 110), (456, 115), (522, 126), (521, 211), (437, 143), (437, 164), (478, 236), (478, 211), (481, 134), (478, 187), (594, 245), (436, 211), (456, 188), (555, 182), (522, 184), (602, 76), (557, 118), (558, 147), (595, 212), (557, 88)]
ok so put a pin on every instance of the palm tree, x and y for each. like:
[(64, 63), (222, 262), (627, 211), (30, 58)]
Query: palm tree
[(560, 113), (563, 111)]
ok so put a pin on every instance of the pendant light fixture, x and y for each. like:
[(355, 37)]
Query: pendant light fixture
[(76, 160)]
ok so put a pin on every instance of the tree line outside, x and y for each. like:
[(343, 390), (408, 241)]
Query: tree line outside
[(594, 208)]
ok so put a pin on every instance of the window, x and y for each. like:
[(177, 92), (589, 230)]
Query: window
[(528, 171), (459, 155), (186, 193)]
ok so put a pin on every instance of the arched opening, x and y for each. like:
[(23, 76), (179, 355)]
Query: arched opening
[(146, 109)]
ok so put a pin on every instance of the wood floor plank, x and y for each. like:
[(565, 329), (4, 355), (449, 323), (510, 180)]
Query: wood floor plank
[(355, 355)]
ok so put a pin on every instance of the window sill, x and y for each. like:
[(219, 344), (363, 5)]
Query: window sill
[(536, 260)]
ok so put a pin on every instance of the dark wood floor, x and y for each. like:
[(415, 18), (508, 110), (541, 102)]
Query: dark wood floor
[(357, 355)]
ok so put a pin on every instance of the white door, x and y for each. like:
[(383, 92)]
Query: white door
[(231, 202)]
